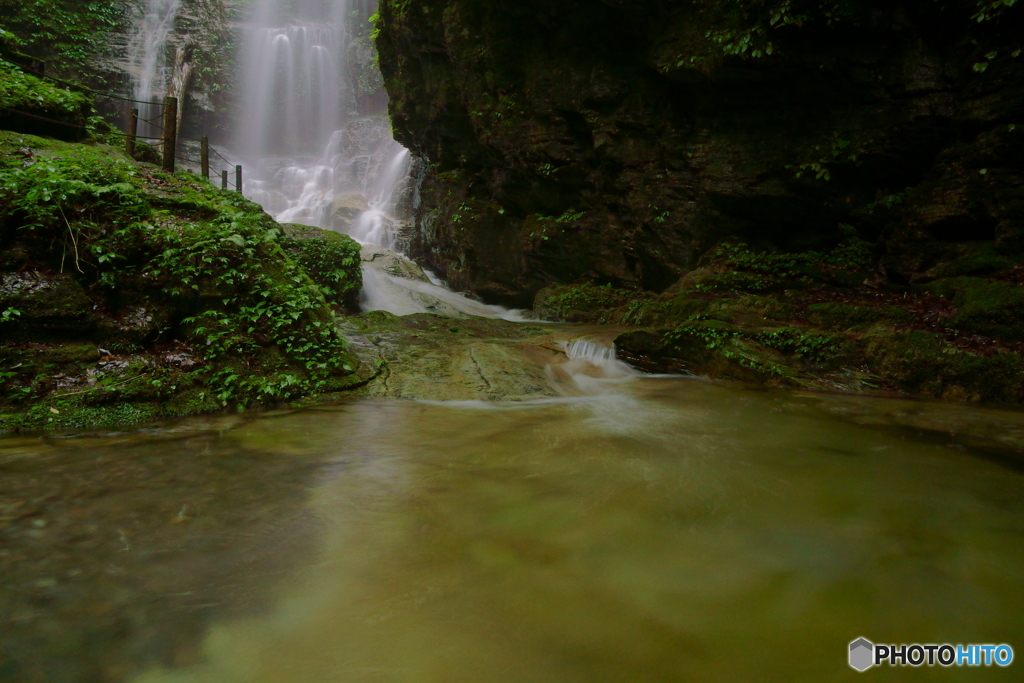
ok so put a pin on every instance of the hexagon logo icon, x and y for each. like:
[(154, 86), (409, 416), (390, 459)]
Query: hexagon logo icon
[(862, 654)]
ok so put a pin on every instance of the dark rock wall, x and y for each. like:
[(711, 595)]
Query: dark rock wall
[(616, 141)]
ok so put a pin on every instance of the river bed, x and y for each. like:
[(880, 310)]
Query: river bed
[(656, 529)]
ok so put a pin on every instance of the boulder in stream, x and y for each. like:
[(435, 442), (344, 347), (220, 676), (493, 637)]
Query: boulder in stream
[(346, 209)]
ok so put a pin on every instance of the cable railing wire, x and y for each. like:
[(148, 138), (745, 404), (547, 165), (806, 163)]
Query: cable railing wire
[(125, 135), (151, 122), (226, 161), (76, 86), (43, 118), (212, 149)]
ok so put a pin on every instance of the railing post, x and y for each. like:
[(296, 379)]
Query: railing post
[(204, 157), (133, 130), (170, 132), (223, 180), (238, 179)]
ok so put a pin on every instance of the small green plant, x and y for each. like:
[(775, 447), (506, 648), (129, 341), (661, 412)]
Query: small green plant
[(712, 335), (812, 346), (584, 297), (214, 260), (991, 9), (750, 271)]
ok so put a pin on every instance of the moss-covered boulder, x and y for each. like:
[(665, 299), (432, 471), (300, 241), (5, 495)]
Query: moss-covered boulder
[(991, 308), (925, 363), (583, 302), (331, 259), (346, 209), (31, 105), (127, 293)]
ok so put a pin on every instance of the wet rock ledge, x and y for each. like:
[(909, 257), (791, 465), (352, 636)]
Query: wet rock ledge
[(128, 294)]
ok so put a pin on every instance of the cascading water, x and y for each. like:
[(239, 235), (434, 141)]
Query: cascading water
[(147, 59), (319, 155), (308, 140)]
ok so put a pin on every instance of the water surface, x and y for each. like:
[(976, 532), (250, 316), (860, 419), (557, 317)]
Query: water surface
[(664, 530)]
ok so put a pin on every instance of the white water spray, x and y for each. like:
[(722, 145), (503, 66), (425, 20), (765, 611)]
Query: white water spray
[(307, 140), (317, 159), (147, 59)]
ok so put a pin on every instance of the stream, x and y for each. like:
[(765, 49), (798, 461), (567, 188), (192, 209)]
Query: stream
[(605, 525), (637, 529)]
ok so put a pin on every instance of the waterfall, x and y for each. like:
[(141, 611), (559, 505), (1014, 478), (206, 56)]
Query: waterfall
[(320, 153), (147, 59), (305, 138)]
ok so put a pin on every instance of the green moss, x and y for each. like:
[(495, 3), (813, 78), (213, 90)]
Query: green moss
[(979, 258), (651, 311), (922, 362), (708, 333), (23, 98), (47, 306), (73, 415), (578, 303), (809, 345), (738, 268), (331, 259), (66, 353), (846, 316), (987, 307), (123, 255), (722, 349)]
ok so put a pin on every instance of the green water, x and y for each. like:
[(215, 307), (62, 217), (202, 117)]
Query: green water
[(668, 530)]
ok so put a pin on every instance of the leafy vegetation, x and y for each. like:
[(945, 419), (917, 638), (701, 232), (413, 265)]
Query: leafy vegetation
[(331, 259), (75, 31), (198, 266), (21, 92), (569, 302), (746, 270), (808, 345)]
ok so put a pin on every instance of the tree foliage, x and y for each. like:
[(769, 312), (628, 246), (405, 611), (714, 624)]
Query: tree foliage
[(71, 30)]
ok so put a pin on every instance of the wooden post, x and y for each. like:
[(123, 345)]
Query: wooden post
[(238, 178), (133, 130), (204, 156), (170, 132), (223, 180)]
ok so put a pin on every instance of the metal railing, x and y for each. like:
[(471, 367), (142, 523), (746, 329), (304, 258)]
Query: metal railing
[(168, 131)]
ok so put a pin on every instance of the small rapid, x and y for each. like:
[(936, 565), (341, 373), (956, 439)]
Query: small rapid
[(404, 296)]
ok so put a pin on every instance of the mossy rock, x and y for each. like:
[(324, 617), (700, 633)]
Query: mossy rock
[(34, 106), (707, 347), (750, 309), (346, 209), (835, 316), (45, 306), (924, 363), (584, 302), (61, 354), (188, 285), (973, 258), (987, 307), (331, 259), (662, 311)]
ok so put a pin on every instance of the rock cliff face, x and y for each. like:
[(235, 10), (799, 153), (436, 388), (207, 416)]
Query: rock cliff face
[(617, 141)]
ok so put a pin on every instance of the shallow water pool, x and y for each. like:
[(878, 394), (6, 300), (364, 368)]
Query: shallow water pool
[(663, 530)]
